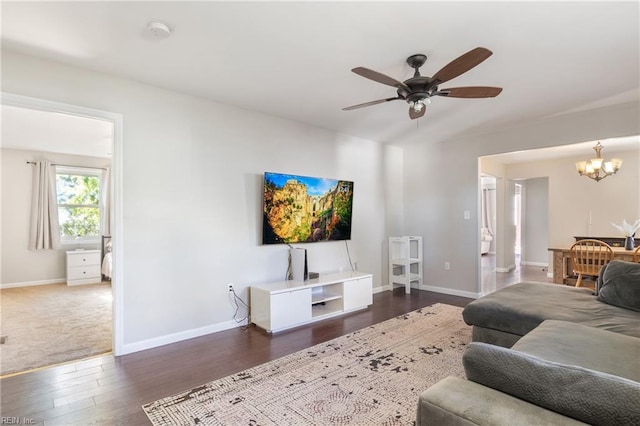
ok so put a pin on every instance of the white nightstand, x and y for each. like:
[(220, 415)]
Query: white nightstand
[(83, 267)]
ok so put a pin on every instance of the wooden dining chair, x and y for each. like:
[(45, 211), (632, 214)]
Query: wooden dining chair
[(588, 256), (636, 254)]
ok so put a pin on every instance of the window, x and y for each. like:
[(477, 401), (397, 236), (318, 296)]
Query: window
[(78, 195)]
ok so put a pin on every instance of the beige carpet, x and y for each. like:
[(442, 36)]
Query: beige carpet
[(55, 323), (370, 377)]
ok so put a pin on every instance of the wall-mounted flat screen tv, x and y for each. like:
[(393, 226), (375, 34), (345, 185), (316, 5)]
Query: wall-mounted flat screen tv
[(302, 209)]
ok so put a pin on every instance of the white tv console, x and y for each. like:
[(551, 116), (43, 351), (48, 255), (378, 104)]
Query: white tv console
[(281, 305)]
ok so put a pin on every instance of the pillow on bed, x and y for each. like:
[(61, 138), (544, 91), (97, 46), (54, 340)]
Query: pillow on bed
[(619, 284)]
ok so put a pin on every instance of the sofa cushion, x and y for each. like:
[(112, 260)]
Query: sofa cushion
[(494, 337), (521, 307), (619, 284), (587, 395), (587, 347)]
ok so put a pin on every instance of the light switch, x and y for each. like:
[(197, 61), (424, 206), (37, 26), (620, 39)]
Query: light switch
[(467, 214)]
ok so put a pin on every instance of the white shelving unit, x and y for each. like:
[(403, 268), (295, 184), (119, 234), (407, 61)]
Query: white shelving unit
[(405, 261), (285, 304)]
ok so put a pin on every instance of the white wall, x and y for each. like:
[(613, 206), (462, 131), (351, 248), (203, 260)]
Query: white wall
[(192, 196), (435, 211), (21, 266), (573, 199), (535, 218)]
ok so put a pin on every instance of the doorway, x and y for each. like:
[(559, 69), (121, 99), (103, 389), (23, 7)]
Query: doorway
[(517, 220), (520, 227), (70, 113)]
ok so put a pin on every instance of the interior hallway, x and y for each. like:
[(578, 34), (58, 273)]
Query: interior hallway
[(492, 280)]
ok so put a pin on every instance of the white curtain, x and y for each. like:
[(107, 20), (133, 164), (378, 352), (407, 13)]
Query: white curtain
[(488, 209), (105, 202), (45, 233)]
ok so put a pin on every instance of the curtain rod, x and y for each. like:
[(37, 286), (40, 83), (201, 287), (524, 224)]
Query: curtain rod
[(71, 165)]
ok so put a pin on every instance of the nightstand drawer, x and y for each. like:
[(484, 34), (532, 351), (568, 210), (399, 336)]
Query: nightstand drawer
[(83, 272), (83, 258)]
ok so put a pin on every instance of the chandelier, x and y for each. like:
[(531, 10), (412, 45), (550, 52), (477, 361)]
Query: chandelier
[(596, 168)]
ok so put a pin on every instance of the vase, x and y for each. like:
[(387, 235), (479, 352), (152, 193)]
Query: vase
[(628, 243)]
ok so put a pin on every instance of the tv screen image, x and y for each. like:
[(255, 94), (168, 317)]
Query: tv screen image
[(303, 209)]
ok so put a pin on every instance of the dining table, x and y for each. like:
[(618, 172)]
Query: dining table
[(563, 267)]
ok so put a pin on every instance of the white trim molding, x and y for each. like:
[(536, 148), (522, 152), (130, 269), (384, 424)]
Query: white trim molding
[(452, 292), (178, 337), (380, 289), (34, 283), (541, 264), (507, 269)]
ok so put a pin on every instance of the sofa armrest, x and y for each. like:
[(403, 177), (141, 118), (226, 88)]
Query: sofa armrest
[(459, 402), (591, 396)]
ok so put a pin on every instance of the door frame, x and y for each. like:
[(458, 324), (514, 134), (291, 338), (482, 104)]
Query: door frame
[(117, 283)]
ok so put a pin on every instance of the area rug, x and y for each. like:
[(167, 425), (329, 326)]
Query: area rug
[(372, 376), (54, 323)]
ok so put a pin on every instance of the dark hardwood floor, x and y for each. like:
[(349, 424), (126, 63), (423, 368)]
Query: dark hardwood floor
[(109, 391)]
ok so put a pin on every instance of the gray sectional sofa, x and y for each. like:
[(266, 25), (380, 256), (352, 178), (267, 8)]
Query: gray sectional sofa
[(547, 354)]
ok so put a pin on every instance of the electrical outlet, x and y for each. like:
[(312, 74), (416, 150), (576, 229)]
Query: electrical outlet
[(447, 266), (230, 288)]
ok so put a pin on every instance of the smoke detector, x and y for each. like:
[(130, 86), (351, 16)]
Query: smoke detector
[(157, 30)]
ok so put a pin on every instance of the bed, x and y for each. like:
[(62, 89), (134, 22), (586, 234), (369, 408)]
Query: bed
[(106, 257)]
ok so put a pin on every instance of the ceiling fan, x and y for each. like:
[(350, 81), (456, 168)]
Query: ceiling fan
[(418, 90)]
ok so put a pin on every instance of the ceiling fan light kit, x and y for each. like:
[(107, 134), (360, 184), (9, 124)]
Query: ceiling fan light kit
[(418, 90), (596, 168)]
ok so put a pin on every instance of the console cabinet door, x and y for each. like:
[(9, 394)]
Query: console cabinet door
[(290, 308), (358, 293)]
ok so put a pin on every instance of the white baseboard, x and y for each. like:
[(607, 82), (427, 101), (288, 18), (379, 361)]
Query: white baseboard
[(33, 283), (380, 289), (128, 348), (541, 264), (507, 269), (435, 289), (451, 291)]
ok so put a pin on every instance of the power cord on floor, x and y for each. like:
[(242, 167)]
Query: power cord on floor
[(234, 299)]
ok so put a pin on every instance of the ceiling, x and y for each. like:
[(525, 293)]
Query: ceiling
[(582, 150), (36, 130), (293, 59)]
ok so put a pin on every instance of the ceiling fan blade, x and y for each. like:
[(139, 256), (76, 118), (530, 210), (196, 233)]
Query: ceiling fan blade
[(378, 77), (462, 64), (366, 104), (413, 114), (470, 92)]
